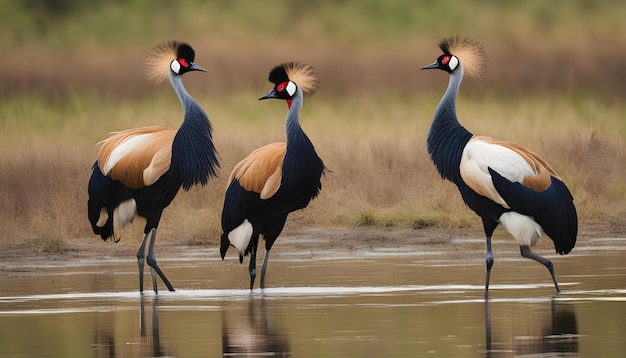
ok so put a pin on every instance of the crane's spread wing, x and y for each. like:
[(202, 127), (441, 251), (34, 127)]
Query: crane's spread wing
[(261, 171), (512, 161), (137, 157)]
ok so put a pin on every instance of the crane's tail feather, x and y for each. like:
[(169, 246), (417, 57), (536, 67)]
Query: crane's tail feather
[(552, 208), (224, 245), (99, 216), (110, 206)]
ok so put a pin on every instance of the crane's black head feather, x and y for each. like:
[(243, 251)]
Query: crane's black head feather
[(278, 75), (185, 51), (443, 45)]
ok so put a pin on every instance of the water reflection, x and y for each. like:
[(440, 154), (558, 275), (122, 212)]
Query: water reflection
[(151, 344), (559, 335), (75, 310), (143, 342), (249, 330), (104, 339)]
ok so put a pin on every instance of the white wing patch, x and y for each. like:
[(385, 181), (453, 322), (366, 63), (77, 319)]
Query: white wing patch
[(122, 216), (121, 150), (159, 164), (241, 235), (102, 219), (478, 155), (524, 229)]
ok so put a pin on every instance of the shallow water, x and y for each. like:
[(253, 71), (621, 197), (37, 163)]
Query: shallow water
[(370, 303)]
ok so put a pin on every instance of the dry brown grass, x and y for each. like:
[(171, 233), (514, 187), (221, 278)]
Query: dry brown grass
[(374, 145)]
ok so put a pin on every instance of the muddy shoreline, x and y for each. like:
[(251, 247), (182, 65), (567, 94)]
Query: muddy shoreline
[(308, 241)]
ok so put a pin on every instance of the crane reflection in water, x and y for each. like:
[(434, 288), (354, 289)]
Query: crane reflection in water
[(249, 329), (559, 335)]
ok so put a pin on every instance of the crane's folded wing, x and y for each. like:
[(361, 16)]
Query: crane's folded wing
[(261, 171), (137, 157), (552, 208), (512, 161)]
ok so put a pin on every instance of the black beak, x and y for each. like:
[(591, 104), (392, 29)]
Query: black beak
[(431, 66), (194, 67), (270, 94)]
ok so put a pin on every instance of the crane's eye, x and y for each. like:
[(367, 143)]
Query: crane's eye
[(178, 64), (286, 86), (281, 86), (183, 62), (449, 60)]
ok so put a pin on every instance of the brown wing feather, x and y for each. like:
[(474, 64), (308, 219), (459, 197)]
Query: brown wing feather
[(543, 171), (261, 171), (145, 161)]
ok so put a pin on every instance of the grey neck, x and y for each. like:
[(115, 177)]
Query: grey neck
[(188, 103), (448, 101), (292, 121)]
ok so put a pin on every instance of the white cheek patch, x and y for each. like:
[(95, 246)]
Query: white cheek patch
[(291, 88), (454, 61), (175, 66)]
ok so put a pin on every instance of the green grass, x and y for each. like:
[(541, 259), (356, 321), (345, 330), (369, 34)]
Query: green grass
[(73, 22)]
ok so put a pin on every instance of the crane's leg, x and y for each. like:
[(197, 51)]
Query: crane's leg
[(152, 262), (270, 234), (530, 254), (489, 261), (140, 260), (489, 225), (252, 266), (264, 268), (152, 274)]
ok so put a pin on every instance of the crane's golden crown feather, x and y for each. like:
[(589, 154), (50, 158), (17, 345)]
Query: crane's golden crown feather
[(470, 53), (160, 57), (303, 75)]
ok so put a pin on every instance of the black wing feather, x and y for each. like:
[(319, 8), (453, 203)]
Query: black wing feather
[(552, 208)]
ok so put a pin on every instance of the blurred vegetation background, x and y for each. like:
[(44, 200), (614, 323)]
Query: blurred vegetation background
[(72, 72)]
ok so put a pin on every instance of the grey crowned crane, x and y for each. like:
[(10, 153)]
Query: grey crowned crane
[(273, 180), (139, 171), (502, 182)]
